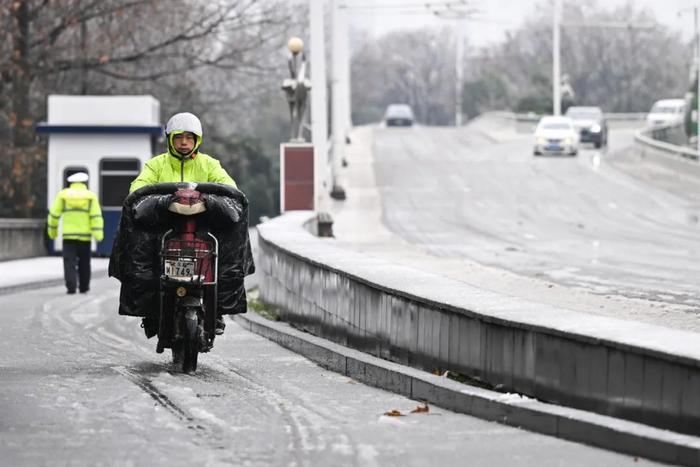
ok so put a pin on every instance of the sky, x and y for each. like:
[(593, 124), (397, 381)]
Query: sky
[(382, 16)]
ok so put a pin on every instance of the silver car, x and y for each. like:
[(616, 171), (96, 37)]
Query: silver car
[(591, 124)]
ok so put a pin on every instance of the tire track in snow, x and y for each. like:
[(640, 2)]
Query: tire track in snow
[(147, 386)]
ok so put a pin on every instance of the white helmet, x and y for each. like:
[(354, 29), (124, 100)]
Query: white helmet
[(184, 121)]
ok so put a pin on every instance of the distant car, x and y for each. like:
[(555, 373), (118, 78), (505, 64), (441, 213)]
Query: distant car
[(666, 112), (556, 135), (590, 123), (398, 115)]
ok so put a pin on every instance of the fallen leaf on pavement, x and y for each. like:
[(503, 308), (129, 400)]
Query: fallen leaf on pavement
[(393, 413), (421, 408)]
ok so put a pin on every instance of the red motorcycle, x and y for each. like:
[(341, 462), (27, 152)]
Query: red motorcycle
[(181, 253), (189, 273)]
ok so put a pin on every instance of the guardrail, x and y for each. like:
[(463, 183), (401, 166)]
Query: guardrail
[(647, 374), (533, 117), (525, 123), (22, 238), (649, 143), (629, 116)]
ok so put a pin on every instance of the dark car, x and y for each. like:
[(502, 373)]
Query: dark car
[(590, 123), (398, 115)]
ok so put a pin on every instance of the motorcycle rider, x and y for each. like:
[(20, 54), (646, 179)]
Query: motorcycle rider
[(181, 163), (82, 221)]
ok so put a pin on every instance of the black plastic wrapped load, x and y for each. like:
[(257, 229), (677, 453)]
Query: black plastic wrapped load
[(145, 218)]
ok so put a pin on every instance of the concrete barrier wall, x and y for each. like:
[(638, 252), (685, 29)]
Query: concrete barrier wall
[(680, 159), (673, 134), (631, 370), (22, 238)]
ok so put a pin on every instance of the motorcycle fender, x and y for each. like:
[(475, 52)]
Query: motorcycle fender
[(190, 302), (191, 314), (191, 323)]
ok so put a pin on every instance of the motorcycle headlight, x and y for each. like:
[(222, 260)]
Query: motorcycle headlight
[(595, 128)]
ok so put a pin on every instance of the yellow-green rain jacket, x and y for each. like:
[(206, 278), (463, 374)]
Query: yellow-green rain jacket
[(82, 216), (172, 167)]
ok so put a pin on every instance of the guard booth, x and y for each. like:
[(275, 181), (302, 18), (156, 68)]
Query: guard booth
[(109, 138)]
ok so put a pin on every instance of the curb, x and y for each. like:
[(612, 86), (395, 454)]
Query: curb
[(10, 289), (510, 409)]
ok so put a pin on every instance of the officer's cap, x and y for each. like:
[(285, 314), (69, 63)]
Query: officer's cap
[(78, 177)]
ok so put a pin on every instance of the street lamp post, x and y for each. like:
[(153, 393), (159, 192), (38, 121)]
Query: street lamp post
[(296, 88), (297, 170), (445, 9), (339, 93), (697, 71), (459, 12), (556, 57), (697, 77), (319, 125), (459, 79)]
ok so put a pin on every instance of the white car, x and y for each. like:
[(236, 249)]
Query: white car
[(556, 135), (666, 112), (399, 115)]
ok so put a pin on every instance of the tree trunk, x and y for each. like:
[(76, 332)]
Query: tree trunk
[(21, 120), (83, 53)]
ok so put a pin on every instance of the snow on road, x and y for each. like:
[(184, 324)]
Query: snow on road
[(80, 385)]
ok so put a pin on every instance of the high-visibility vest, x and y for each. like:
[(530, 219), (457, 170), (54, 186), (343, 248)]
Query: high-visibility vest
[(82, 216), (167, 168)]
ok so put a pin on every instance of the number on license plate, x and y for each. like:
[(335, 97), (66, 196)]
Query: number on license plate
[(179, 268)]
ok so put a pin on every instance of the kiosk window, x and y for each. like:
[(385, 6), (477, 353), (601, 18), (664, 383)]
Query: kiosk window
[(115, 177)]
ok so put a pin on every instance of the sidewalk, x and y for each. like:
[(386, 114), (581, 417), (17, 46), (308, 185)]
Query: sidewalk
[(30, 273)]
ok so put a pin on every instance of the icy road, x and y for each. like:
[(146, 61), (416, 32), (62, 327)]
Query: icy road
[(80, 385), (608, 228)]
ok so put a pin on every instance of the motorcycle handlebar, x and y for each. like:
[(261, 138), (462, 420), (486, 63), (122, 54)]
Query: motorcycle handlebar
[(170, 188)]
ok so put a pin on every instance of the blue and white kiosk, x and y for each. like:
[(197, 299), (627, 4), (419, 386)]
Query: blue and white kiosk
[(110, 138)]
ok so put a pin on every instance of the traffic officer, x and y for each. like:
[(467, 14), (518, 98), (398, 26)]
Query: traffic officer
[(82, 221)]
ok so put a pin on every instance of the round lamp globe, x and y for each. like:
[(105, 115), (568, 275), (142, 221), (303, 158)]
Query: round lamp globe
[(295, 45)]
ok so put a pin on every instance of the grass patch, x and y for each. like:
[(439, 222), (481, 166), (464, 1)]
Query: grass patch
[(257, 305)]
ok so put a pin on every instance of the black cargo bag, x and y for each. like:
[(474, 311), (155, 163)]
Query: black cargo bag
[(145, 218)]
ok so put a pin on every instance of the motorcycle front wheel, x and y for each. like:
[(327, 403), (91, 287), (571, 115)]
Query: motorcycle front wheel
[(185, 353), (178, 352), (190, 343)]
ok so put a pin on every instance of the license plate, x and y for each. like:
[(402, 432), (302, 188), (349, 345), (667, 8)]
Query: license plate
[(553, 147), (179, 268)]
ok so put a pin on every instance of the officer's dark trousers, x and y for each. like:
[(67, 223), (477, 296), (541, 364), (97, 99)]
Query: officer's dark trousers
[(76, 255)]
